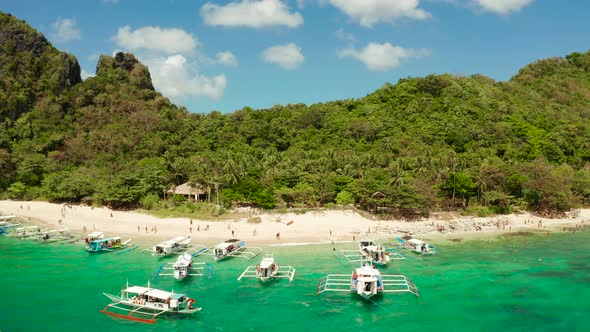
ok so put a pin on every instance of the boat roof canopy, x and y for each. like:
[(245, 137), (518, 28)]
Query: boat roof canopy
[(416, 241), (267, 262), (106, 239), (183, 260), (224, 245), (136, 289), (171, 242), (160, 294)]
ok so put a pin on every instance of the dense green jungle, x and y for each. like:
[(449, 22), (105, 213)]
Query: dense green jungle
[(440, 142)]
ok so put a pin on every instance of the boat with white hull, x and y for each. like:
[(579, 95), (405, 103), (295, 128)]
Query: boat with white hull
[(184, 267), (268, 269), (25, 232), (55, 235), (169, 247), (417, 246), (107, 245), (145, 304), (367, 281), (372, 251), (234, 248)]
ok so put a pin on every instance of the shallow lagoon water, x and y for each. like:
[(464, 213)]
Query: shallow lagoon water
[(534, 283)]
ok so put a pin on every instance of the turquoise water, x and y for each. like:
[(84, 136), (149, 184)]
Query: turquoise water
[(539, 283)]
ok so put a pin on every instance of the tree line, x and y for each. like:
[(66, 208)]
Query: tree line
[(437, 142)]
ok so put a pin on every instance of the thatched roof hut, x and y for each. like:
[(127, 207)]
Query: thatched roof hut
[(186, 189), (378, 195)]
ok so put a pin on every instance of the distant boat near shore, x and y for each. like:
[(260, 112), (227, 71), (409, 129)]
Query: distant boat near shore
[(417, 246), (107, 245)]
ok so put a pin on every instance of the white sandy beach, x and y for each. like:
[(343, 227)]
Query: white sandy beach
[(312, 227)]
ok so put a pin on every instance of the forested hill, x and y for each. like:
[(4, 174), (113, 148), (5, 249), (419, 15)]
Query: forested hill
[(30, 67), (424, 143)]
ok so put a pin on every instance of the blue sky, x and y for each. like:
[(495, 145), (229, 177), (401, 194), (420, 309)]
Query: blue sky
[(227, 54)]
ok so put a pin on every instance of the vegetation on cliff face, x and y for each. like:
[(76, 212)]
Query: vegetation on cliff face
[(30, 68), (425, 143)]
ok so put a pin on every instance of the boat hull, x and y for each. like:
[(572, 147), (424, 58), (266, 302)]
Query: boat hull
[(118, 299)]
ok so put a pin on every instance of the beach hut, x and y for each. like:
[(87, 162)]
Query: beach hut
[(191, 192)]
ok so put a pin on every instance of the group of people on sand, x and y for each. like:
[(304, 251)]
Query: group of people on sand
[(198, 226), (152, 229), (531, 222)]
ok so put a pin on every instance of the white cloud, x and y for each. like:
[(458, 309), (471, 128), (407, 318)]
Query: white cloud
[(174, 76), (153, 38), (84, 74), (344, 36), (65, 30), (381, 57), (227, 58), (370, 12), (288, 56), (502, 7), (173, 57), (251, 13)]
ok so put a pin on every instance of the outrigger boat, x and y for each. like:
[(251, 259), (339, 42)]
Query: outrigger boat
[(417, 246), (179, 243), (367, 281), (268, 269), (92, 237), (234, 248), (6, 218), (107, 245), (137, 302), (5, 226), (25, 232), (372, 251), (184, 267), (54, 235)]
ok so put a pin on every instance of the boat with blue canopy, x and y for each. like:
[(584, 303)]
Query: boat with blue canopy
[(5, 226), (107, 245)]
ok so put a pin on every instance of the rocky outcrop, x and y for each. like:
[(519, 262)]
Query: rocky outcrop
[(30, 68), (138, 73)]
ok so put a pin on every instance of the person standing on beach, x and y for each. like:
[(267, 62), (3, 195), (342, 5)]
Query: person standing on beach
[(278, 236)]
